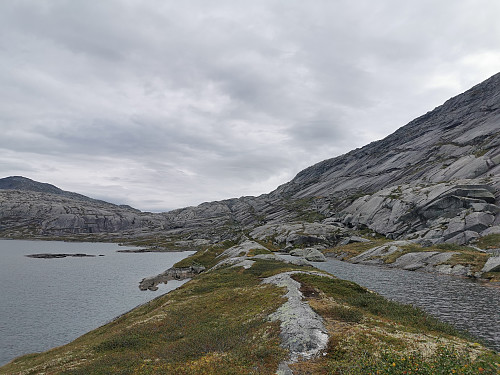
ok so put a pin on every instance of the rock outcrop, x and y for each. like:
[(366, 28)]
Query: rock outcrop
[(151, 283), (303, 332), (58, 256), (453, 212), (493, 263)]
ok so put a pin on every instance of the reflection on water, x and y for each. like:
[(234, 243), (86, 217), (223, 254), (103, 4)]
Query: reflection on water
[(462, 302)]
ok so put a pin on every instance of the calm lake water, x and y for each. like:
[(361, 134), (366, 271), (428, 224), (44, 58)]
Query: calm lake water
[(49, 302), (466, 304)]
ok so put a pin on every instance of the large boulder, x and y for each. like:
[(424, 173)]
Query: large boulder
[(478, 221), (376, 254), (418, 260), (463, 238), (314, 255), (492, 264)]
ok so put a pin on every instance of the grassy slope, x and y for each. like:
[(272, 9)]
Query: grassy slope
[(217, 324)]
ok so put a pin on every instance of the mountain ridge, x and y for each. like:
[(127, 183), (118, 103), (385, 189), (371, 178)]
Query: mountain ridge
[(453, 117), (457, 143)]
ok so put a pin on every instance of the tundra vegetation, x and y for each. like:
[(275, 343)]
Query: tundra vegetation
[(218, 323)]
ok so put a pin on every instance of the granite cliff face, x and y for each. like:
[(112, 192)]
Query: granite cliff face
[(435, 180)]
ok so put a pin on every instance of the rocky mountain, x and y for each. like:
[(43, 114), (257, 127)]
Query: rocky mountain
[(29, 208), (435, 180), (27, 184), (458, 140)]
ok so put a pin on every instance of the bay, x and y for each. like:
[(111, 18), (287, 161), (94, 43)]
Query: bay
[(49, 302)]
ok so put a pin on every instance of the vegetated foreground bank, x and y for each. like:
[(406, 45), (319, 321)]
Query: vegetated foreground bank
[(235, 318)]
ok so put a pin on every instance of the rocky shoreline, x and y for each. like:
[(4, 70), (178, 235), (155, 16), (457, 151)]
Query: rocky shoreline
[(151, 283)]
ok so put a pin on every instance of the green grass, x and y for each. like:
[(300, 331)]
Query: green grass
[(466, 256), (254, 252), (472, 258), (216, 322), (491, 241), (445, 361), (342, 313), (266, 268), (205, 257), (406, 249), (371, 335), (357, 248), (268, 243), (480, 153), (373, 304)]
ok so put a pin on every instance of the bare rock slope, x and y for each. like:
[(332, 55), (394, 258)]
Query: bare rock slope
[(437, 179)]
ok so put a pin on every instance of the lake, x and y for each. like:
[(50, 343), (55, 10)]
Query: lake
[(49, 302)]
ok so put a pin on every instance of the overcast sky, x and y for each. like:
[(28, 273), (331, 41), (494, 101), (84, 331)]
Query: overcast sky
[(163, 104)]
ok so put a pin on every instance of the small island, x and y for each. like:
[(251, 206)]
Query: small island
[(54, 256)]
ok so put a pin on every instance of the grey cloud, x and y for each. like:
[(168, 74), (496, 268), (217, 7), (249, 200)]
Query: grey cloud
[(164, 104)]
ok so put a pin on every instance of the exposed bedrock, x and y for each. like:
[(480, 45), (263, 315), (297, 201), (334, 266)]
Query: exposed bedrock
[(447, 212), (303, 332), (151, 283)]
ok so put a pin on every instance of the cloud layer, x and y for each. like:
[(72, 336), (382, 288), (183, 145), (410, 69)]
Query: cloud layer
[(164, 104)]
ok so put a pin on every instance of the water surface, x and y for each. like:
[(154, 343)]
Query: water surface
[(467, 304), (49, 302)]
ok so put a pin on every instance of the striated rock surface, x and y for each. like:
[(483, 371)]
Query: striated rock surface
[(458, 140), (33, 213), (454, 212), (436, 179)]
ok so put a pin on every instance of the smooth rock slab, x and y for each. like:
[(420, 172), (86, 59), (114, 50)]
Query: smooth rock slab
[(417, 260), (352, 239), (297, 252), (150, 283), (379, 251), (303, 332)]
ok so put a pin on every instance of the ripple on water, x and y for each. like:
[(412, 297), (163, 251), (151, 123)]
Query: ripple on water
[(465, 303)]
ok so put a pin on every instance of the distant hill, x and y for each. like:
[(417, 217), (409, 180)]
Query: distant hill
[(23, 183), (27, 184), (30, 208)]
